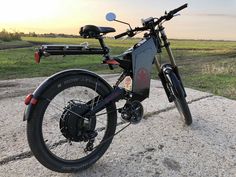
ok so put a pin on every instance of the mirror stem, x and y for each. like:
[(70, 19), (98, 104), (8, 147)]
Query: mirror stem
[(123, 23)]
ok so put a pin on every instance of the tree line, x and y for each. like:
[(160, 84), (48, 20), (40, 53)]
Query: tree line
[(7, 36), (11, 36)]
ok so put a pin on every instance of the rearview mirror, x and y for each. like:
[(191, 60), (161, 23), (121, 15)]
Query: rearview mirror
[(110, 16)]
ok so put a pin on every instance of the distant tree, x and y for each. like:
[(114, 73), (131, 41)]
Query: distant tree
[(32, 34), (6, 36)]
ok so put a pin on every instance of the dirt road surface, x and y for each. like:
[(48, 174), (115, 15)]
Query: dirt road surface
[(161, 145)]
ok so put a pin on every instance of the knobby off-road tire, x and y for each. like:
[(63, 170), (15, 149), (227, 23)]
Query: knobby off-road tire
[(179, 98), (56, 152)]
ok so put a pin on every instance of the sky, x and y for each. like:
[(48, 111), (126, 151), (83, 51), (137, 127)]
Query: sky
[(203, 19)]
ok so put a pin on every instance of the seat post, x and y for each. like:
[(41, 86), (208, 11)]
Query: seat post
[(104, 47)]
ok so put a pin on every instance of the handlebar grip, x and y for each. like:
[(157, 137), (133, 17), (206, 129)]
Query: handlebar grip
[(179, 9), (121, 35)]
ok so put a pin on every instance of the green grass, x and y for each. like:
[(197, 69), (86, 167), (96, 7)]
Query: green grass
[(204, 65), (19, 63), (14, 44), (93, 42)]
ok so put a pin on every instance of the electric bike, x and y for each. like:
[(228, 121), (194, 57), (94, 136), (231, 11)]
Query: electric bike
[(72, 116)]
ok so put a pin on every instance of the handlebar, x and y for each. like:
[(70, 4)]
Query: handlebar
[(178, 9), (167, 17), (121, 35), (170, 14), (131, 33)]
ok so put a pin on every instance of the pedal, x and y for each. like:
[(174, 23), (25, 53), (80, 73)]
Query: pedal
[(132, 112)]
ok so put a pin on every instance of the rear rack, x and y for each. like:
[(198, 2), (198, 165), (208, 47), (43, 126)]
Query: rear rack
[(82, 49)]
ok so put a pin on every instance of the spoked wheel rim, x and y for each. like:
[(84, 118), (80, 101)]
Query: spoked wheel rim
[(59, 145)]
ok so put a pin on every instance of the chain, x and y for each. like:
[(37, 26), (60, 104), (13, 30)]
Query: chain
[(112, 136)]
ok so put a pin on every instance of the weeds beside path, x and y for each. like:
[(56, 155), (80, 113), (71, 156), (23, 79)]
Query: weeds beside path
[(204, 65)]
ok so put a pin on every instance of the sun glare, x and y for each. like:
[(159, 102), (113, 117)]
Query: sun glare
[(25, 10), (45, 15)]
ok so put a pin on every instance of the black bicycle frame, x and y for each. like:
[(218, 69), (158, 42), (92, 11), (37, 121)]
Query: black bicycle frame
[(143, 55)]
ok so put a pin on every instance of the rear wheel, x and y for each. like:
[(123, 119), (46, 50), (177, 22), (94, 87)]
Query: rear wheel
[(58, 134), (178, 95)]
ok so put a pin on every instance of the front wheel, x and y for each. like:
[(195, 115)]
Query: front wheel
[(59, 135), (178, 95)]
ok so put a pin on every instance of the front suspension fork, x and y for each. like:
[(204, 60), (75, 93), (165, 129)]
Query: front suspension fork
[(163, 71)]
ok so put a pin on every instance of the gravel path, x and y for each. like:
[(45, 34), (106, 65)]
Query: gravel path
[(158, 146)]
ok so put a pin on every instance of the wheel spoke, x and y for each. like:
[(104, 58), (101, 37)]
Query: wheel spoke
[(58, 107), (96, 85), (64, 135)]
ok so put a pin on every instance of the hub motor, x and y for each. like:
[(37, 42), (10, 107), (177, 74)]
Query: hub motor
[(73, 125)]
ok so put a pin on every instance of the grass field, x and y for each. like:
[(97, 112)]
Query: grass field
[(204, 65), (14, 44)]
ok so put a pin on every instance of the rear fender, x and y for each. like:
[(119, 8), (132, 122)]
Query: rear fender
[(49, 81)]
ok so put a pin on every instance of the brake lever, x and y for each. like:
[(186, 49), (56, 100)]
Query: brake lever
[(176, 15), (170, 16)]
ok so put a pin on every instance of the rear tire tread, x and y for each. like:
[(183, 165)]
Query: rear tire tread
[(34, 128)]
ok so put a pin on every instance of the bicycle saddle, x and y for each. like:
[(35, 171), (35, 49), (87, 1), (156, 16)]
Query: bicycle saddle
[(90, 31)]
